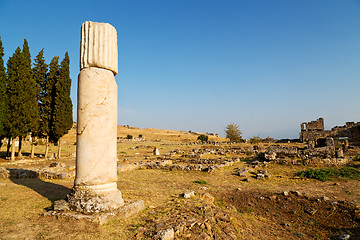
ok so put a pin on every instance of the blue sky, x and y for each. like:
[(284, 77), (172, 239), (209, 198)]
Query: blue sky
[(202, 64)]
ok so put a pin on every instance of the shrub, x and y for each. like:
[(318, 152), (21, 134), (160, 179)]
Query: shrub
[(255, 139), (140, 135), (326, 174), (129, 136), (202, 182), (203, 138)]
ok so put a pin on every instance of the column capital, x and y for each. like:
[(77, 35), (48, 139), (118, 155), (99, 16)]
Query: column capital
[(98, 46)]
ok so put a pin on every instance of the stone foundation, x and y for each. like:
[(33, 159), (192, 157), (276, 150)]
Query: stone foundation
[(129, 208), (95, 199)]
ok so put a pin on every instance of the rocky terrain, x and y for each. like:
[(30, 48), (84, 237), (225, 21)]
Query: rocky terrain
[(192, 190)]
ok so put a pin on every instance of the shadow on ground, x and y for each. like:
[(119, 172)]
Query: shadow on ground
[(49, 190)]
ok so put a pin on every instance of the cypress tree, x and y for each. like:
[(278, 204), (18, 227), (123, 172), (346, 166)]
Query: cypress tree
[(2, 93), (62, 115), (13, 113), (27, 90), (40, 73), (48, 101)]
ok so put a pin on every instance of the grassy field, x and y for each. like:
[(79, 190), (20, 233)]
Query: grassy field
[(23, 202)]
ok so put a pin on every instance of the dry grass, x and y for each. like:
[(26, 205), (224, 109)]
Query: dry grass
[(23, 202)]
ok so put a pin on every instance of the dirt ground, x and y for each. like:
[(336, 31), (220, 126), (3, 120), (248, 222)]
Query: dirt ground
[(224, 206)]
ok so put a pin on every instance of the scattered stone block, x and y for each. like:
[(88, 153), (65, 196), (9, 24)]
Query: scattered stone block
[(262, 171), (260, 176), (242, 172), (311, 211), (324, 198), (167, 234), (57, 165), (156, 152), (255, 163), (273, 197), (344, 237), (207, 197), (188, 194), (296, 193), (285, 224)]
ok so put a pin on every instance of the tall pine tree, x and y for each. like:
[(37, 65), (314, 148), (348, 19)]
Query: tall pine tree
[(2, 93), (62, 115), (40, 74)]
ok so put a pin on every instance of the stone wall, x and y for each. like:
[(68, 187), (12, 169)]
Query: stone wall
[(350, 130), (314, 130)]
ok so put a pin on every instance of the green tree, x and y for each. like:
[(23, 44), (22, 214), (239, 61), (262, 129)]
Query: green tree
[(14, 109), (27, 90), (233, 132), (62, 115), (2, 93), (48, 103), (40, 72), (203, 138)]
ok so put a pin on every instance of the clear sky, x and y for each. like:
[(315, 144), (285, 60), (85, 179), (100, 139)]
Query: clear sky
[(201, 64)]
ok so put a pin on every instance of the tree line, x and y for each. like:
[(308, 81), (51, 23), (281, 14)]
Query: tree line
[(34, 99)]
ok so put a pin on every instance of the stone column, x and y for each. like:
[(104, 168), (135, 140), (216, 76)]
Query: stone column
[(95, 188)]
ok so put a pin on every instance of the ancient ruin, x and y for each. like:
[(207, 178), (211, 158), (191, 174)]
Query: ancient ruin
[(314, 132), (95, 187)]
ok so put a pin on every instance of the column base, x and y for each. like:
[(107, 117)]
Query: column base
[(130, 208), (95, 199)]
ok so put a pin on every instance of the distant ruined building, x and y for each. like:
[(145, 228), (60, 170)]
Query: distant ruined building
[(314, 132)]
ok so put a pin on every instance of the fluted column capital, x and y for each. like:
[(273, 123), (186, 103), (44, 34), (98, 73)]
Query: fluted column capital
[(98, 47)]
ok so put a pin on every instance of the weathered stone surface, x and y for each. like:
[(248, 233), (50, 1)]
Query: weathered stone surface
[(131, 208), (260, 176), (98, 46), (207, 197), (96, 158), (128, 167), (156, 152), (61, 205), (95, 199), (128, 209), (188, 194), (167, 234), (57, 165), (4, 173), (95, 189), (313, 132), (242, 172)]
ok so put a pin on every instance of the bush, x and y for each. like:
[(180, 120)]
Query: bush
[(326, 174), (140, 135), (255, 139), (203, 138), (202, 182), (129, 136)]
